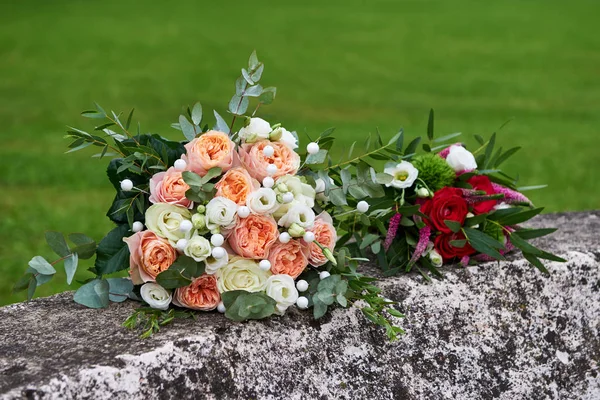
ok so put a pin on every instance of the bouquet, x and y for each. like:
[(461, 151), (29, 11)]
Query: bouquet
[(229, 220), (442, 206)]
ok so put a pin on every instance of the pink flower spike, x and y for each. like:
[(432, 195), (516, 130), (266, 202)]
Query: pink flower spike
[(424, 234), (465, 261), (510, 196), (392, 231)]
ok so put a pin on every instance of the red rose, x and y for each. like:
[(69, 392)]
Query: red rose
[(481, 182), (447, 204), (447, 251)]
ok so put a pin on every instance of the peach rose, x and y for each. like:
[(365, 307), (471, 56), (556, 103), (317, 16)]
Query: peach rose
[(169, 187), (288, 258), (253, 236), (285, 159), (149, 255), (236, 185), (326, 235), (202, 294), (212, 149)]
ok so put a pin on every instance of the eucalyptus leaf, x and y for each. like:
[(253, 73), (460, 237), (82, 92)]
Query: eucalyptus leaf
[(93, 294), (41, 265), (56, 241), (119, 289), (71, 267), (220, 124), (187, 128), (197, 114)]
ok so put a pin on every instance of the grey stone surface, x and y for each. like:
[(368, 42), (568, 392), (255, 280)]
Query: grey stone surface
[(498, 330)]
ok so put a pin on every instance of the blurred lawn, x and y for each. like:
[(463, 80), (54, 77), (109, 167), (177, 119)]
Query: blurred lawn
[(352, 64)]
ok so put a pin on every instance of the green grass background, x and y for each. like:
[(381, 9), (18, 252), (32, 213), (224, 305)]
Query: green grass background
[(356, 65)]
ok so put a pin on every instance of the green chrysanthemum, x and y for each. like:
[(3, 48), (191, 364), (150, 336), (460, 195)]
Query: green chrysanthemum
[(434, 171)]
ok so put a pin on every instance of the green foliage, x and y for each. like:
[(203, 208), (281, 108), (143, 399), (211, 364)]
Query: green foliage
[(242, 305), (181, 273), (434, 171), (94, 294), (112, 252), (149, 320)]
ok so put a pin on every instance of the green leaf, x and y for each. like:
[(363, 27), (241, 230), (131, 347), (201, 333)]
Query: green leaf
[(475, 220), (317, 158), (197, 114), (238, 104), (319, 308), (337, 197), (257, 72), (526, 188), (71, 267), (92, 114), (57, 243), (268, 95), (253, 60), (484, 243), (479, 140), (253, 91), (112, 252), (447, 137), (383, 178), (192, 179), (367, 240), (534, 233), (119, 289), (85, 247), (31, 288), (400, 140), (128, 123), (42, 266), (22, 283), (516, 218), (220, 124), (454, 226), (180, 273), (504, 156), (458, 243), (241, 305), (211, 173), (346, 177), (489, 149), (430, 125), (93, 294), (536, 262), (187, 128), (527, 247), (412, 147)]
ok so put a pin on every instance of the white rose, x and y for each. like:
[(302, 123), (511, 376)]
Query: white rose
[(282, 289), (214, 264), (262, 201), (404, 175), (288, 138), (156, 296), (242, 274), (198, 248), (461, 159), (220, 211), (299, 214), (164, 220), (435, 258), (257, 129)]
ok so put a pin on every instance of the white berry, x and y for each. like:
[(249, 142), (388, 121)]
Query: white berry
[(288, 197), (243, 212), (309, 237), (324, 274), (180, 165), (218, 252), (312, 148), (268, 182), (302, 285), (362, 206), (284, 237), (221, 307), (268, 151), (186, 226), (126, 185), (217, 240), (137, 226), (265, 265), (271, 169), (181, 244), (302, 303)]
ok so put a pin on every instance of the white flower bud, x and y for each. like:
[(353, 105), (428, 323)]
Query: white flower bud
[(218, 252), (268, 182), (186, 226), (181, 244), (180, 165), (137, 226), (324, 274), (126, 185), (265, 265), (271, 169), (362, 206), (312, 148), (302, 285), (156, 296), (243, 212), (217, 240), (309, 237), (221, 307), (302, 303), (268, 151), (284, 237)]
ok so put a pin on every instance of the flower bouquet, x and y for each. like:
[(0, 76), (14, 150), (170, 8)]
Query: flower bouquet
[(442, 206), (228, 220)]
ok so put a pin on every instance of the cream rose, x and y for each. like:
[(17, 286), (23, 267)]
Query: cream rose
[(164, 220), (304, 194), (242, 274), (156, 296), (282, 289), (288, 138), (220, 211), (461, 159), (198, 248), (262, 201)]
